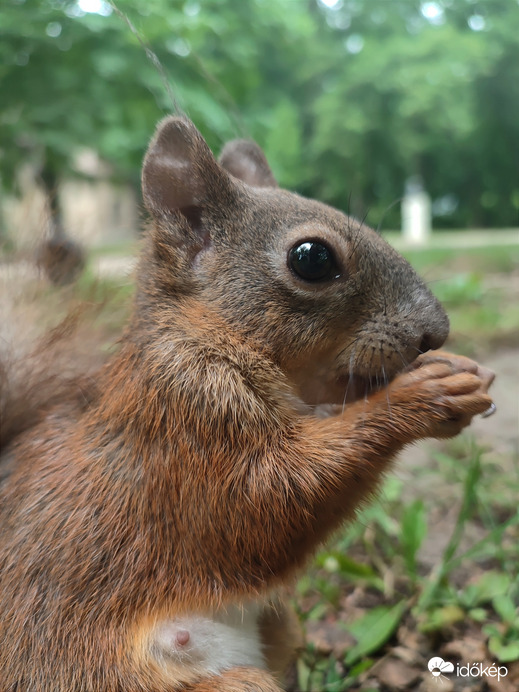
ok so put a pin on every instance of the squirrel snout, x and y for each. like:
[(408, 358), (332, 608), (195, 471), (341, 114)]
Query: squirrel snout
[(437, 330), (432, 336), (430, 325), (432, 341)]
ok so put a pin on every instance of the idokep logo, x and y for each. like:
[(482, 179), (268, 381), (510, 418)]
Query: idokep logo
[(438, 667)]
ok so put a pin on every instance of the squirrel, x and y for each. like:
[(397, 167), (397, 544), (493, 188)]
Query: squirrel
[(278, 356)]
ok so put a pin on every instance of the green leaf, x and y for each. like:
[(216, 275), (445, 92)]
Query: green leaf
[(478, 614), (489, 586), (414, 530), (373, 630), (303, 674), (361, 667), (506, 609), (442, 618), (505, 653), (317, 612), (492, 630), (335, 561)]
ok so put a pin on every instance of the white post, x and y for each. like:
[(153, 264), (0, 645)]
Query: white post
[(416, 213)]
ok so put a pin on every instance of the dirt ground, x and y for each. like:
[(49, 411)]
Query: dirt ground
[(501, 431), (498, 434)]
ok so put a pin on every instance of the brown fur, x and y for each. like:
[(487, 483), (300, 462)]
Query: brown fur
[(196, 475), (45, 371)]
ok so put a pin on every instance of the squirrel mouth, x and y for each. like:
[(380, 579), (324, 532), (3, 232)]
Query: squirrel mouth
[(329, 397), (356, 387)]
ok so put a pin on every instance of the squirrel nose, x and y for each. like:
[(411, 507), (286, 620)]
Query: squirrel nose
[(431, 341), (434, 328)]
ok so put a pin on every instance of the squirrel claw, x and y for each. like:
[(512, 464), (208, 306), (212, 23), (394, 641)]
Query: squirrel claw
[(490, 411)]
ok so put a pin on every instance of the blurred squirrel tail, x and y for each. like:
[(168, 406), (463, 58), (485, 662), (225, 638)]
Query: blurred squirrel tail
[(38, 375)]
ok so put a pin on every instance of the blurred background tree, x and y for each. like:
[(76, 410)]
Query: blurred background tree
[(349, 98)]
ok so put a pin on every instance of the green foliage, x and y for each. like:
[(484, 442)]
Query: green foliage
[(431, 603), (347, 100), (372, 631), (337, 561), (489, 586), (490, 258), (413, 532), (460, 289), (70, 82), (314, 675)]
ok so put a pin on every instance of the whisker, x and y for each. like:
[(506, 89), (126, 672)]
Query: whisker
[(350, 380), (415, 348), (386, 380), (405, 362), (354, 341), (359, 234), (388, 208), (434, 281)]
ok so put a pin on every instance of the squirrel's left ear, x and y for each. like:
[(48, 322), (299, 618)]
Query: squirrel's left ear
[(244, 160), (179, 173)]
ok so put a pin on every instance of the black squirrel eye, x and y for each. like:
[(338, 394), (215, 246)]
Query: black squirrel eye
[(312, 261)]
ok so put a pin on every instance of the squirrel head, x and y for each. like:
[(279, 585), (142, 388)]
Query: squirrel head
[(335, 307)]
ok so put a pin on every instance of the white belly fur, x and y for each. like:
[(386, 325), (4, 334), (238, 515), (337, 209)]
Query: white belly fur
[(217, 641)]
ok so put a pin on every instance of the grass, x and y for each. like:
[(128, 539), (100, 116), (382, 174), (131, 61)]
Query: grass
[(491, 259), (379, 557), (127, 248)]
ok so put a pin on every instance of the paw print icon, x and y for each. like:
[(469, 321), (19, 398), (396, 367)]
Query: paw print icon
[(438, 666)]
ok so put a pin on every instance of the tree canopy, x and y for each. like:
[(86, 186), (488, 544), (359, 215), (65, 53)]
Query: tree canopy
[(348, 98)]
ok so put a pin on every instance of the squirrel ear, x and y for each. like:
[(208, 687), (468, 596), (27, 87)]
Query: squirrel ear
[(244, 159), (179, 171)]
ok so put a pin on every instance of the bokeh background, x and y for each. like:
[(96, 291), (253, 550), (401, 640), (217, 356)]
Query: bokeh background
[(348, 98), (351, 100)]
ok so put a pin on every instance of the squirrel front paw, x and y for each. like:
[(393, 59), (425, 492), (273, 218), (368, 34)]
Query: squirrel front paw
[(439, 395)]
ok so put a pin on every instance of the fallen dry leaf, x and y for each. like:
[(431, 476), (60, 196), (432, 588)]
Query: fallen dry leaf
[(467, 650), (395, 674), (407, 655), (432, 684), (329, 637), (510, 683)]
